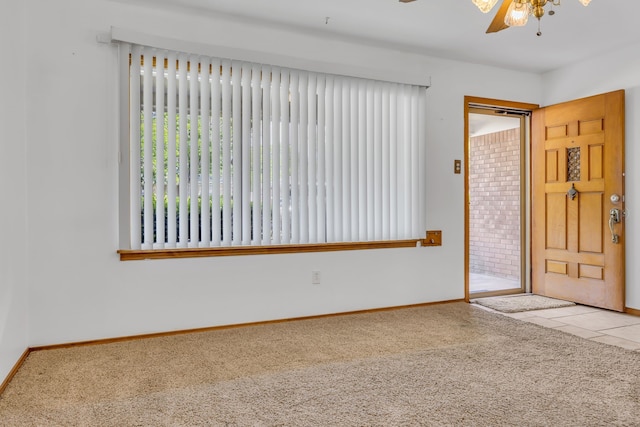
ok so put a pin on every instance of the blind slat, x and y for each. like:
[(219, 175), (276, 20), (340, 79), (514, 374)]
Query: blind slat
[(312, 156), (293, 137), (284, 152), (346, 159), (134, 153), (172, 221), (159, 146), (337, 158), (377, 160), (205, 161), (266, 156), (256, 137), (370, 152), (246, 153), (422, 116), (216, 112), (225, 84), (393, 161), (385, 155), (400, 163), (236, 153), (147, 155), (415, 164), (275, 141), (362, 160), (407, 162), (183, 173), (194, 156), (322, 191), (354, 167), (303, 150), (329, 159)]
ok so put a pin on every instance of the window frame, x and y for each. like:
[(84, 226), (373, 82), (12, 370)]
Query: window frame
[(127, 216)]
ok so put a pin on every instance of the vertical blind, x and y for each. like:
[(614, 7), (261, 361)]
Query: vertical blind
[(227, 153)]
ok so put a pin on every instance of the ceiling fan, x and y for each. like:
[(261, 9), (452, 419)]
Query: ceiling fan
[(514, 13)]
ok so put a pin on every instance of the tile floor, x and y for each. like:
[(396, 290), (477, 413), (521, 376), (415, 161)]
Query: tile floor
[(609, 327)]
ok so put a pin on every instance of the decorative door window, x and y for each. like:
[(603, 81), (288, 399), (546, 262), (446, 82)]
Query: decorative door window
[(573, 164)]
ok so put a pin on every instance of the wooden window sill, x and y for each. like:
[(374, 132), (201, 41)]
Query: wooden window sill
[(136, 255)]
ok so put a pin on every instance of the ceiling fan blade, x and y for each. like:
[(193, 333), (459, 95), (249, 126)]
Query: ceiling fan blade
[(406, 1), (498, 21)]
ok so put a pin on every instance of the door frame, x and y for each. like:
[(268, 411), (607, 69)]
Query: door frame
[(469, 103)]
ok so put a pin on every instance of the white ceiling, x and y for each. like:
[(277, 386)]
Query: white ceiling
[(452, 29)]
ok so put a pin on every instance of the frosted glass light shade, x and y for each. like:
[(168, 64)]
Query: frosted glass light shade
[(585, 2), (517, 14), (486, 5)]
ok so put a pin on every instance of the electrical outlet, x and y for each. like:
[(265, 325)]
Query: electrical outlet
[(315, 277)]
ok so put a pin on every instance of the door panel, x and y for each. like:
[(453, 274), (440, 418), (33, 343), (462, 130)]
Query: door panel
[(595, 162), (590, 223), (552, 166), (556, 221), (578, 145)]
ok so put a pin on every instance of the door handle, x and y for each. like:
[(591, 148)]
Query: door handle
[(614, 218)]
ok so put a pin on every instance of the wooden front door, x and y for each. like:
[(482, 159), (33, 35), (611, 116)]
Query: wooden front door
[(576, 256)]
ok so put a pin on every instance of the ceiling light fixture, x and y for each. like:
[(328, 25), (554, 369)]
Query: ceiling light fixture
[(518, 11), (517, 14), (485, 5)]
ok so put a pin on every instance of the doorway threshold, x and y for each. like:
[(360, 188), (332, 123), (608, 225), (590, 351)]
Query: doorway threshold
[(481, 285)]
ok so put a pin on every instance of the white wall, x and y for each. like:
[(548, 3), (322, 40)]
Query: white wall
[(79, 289), (13, 251), (618, 69)]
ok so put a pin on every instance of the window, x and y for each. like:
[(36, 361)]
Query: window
[(226, 153)]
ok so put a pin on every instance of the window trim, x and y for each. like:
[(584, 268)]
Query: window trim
[(146, 254)]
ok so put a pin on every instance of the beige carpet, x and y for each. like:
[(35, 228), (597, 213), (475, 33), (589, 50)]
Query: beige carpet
[(445, 365), (518, 303)]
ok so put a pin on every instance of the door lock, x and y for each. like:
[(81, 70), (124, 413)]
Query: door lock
[(614, 218)]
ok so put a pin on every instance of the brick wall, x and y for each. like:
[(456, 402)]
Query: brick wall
[(494, 211)]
